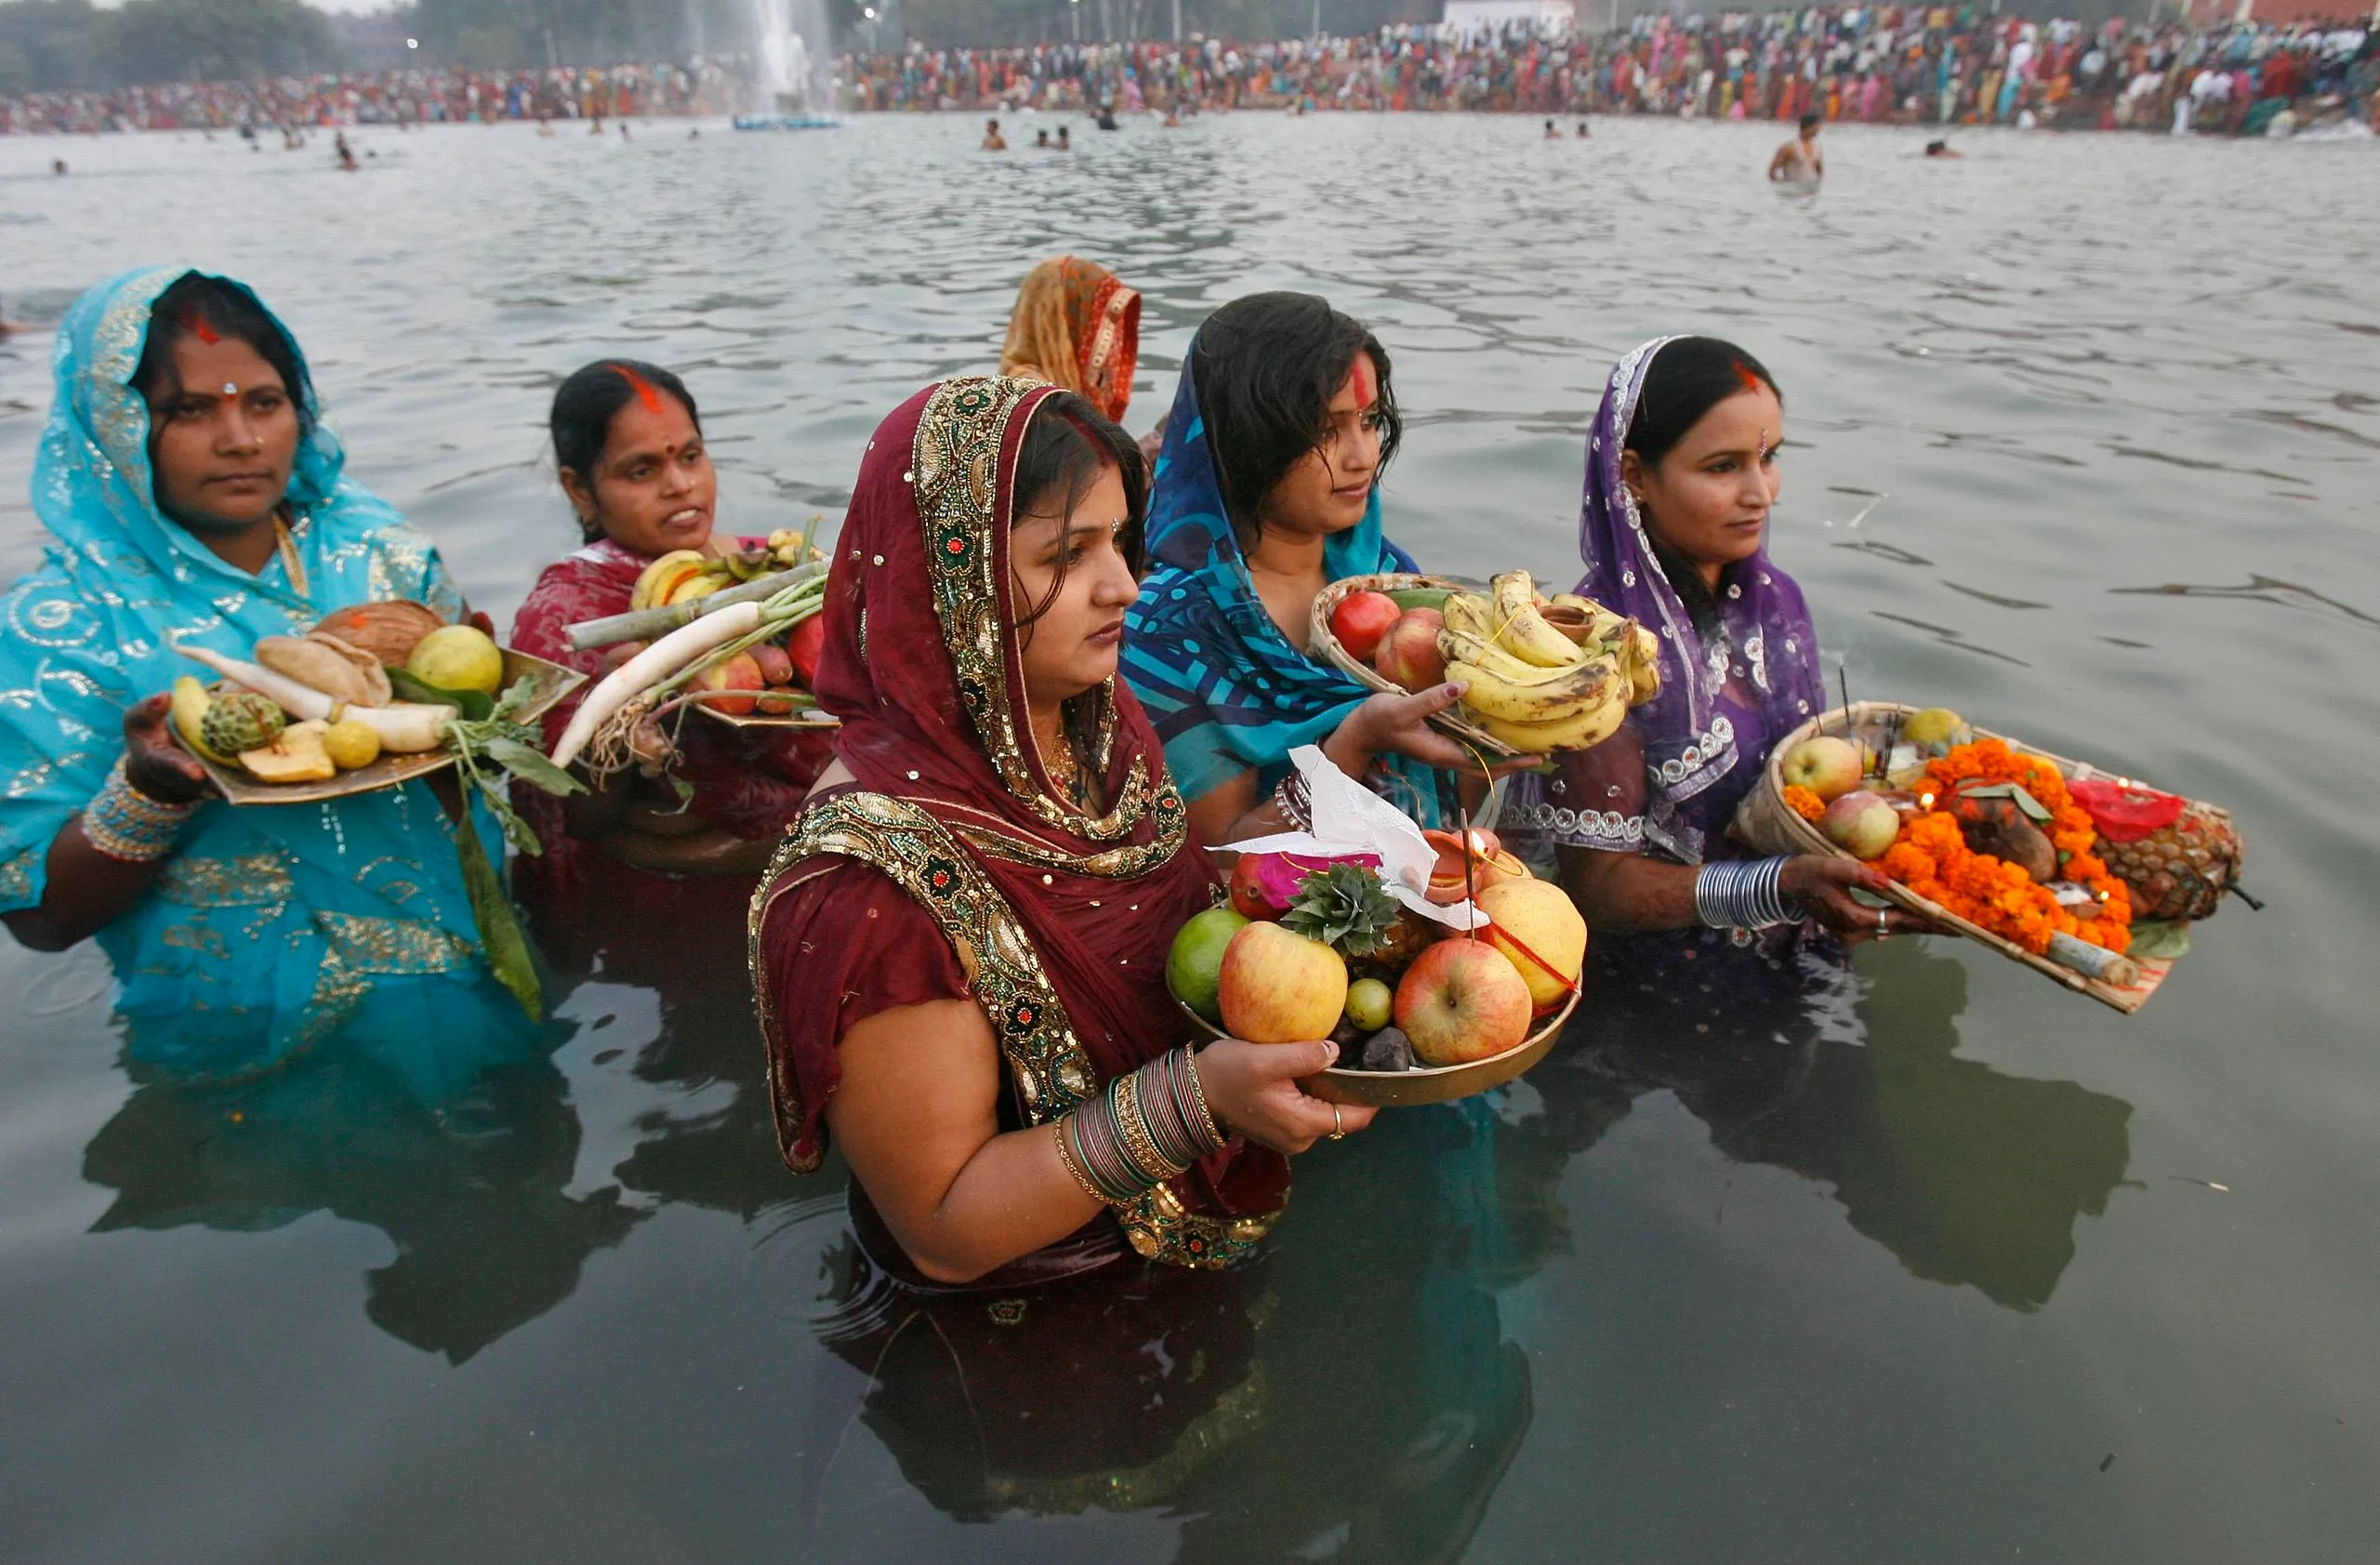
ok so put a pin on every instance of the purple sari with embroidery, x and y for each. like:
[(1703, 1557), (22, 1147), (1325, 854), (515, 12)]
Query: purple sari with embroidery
[(1670, 780)]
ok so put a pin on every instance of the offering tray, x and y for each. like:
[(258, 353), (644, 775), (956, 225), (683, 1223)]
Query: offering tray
[(1441, 1083), (1325, 646), (552, 684), (811, 718), (1769, 825)]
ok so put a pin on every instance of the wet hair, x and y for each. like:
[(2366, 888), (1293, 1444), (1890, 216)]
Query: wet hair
[(211, 309), (1688, 379), (1811, 122), (1264, 369), (584, 406), (1935, 148), (1066, 448)]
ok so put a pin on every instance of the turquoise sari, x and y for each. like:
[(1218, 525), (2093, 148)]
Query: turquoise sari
[(272, 928)]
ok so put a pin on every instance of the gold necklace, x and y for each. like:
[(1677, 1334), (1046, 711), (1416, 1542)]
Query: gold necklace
[(1065, 769)]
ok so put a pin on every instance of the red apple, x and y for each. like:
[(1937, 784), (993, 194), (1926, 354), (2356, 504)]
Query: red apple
[(738, 673), (1409, 654), (805, 646), (1462, 1000), (1279, 987), (1862, 824), (776, 667), (1826, 765), (1361, 620)]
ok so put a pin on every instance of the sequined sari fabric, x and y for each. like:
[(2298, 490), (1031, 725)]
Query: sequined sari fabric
[(271, 927), (1059, 915), (1079, 327)]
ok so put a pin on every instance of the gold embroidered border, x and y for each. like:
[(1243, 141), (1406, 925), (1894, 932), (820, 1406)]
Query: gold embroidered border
[(955, 463)]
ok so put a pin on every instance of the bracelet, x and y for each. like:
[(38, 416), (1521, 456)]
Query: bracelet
[(1295, 801), (1145, 1128), (125, 824), (1741, 894)]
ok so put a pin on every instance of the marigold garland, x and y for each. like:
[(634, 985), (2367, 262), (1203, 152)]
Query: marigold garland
[(1932, 859), (1803, 803)]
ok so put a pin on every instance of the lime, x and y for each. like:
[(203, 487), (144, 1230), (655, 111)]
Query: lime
[(458, 657), (351, 744), (1194, 965)]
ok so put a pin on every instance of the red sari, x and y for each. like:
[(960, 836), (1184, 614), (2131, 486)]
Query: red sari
[(955, 866), (747, 781)]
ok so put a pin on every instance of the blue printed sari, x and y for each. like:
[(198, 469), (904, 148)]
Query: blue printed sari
[(1227, 691), (272, 928)]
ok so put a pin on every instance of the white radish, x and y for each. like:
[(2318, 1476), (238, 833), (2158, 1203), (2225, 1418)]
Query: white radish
[(405, 727), (669, 656)]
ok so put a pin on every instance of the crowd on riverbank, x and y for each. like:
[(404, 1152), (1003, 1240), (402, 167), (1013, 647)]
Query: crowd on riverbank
[(1897, 64), (696, 87), (1908, 65)]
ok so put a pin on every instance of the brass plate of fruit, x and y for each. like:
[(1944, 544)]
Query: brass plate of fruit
[(1441, 1083), (553, 684)]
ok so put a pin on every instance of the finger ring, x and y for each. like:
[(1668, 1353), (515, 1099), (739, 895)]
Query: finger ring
[(1338, 1125), (1881, 915)]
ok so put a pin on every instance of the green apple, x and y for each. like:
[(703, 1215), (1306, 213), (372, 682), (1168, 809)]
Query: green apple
[(1369, 1002), (1194, 964)]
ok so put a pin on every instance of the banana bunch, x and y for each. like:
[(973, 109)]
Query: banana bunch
[(686, 574), (1546, 675)]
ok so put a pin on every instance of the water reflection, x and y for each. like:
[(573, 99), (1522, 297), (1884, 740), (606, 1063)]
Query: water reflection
[(1969, 1176), (471, 1194)]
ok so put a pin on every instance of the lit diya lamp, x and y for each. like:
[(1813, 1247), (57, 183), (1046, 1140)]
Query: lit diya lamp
[(1468, 862)]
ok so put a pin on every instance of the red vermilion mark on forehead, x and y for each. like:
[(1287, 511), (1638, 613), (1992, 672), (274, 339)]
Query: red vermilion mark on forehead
[(1752, 382), (1367, 381), (641, 386), (195, 324)]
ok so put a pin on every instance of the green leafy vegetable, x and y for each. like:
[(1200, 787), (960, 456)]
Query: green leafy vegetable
[(500, 937)]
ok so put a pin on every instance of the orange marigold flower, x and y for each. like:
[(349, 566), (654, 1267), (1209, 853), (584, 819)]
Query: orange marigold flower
[(1803, 803)]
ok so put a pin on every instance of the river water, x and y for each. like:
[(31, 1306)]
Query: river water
[(2082, 442)]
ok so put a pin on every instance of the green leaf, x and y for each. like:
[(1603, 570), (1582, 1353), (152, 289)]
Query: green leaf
[(500, 937), (2156, 941), (530, 765), (474, 705), (1344, 907)]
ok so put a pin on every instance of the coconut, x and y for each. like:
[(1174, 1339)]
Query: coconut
[(386, 630)]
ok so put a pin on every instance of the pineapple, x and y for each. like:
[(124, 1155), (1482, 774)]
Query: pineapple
[(1346, 908), (2177, 871)]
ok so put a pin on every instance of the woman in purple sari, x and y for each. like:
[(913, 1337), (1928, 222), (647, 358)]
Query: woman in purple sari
[(1680, 478)]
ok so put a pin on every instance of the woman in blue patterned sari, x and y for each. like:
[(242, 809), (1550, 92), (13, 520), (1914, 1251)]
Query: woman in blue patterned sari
[(1266, 492), (191, 491)]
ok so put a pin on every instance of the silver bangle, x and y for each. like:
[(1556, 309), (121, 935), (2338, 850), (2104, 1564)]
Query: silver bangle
[(1741, 894)]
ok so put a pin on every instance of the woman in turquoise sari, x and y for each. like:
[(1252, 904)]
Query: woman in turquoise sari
[(1267, 490), (191, 491)]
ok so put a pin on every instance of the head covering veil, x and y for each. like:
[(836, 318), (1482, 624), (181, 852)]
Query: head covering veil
[(269, 926), (1077, 326), (1691, 742), (1225, 688), (1061, 918)]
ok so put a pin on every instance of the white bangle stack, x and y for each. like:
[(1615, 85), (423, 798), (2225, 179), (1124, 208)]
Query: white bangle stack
[(1741, 894)]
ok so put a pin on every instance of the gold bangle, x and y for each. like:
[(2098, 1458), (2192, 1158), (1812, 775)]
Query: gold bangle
[(1214, 1127), (1067, 1156), (1138, 1143)]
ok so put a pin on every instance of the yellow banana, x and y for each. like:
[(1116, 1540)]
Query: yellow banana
[(1462, 647), (655, 583), (1521, 630), (1585, 731), (1580, 689), (1470, 614), (1643, 665)]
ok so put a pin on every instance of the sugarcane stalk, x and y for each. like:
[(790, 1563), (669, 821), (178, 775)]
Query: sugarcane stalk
[(642, 625)]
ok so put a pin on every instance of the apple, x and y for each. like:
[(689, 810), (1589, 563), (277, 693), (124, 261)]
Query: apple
[(1538, 928), (1462, 1000), (1826, 765), (1408, 654), (805, 646), (738, 673), (1861, 823), (1194, 965), (1361, 620), (1279, 987), (1490, 865), (1369, 1004)]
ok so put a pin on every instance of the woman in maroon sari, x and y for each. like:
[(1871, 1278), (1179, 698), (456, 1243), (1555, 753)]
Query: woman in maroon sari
[(959, 953), (628, 445)]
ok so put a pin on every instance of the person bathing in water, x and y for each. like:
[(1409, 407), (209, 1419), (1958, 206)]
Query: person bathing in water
[(1800, 161), (993, 140)]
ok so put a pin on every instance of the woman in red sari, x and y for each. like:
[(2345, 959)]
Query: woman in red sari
[(959, 953), (629, 444), (1077, 326)]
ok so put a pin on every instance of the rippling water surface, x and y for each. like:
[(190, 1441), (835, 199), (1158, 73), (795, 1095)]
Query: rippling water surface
[(2083, 437)]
